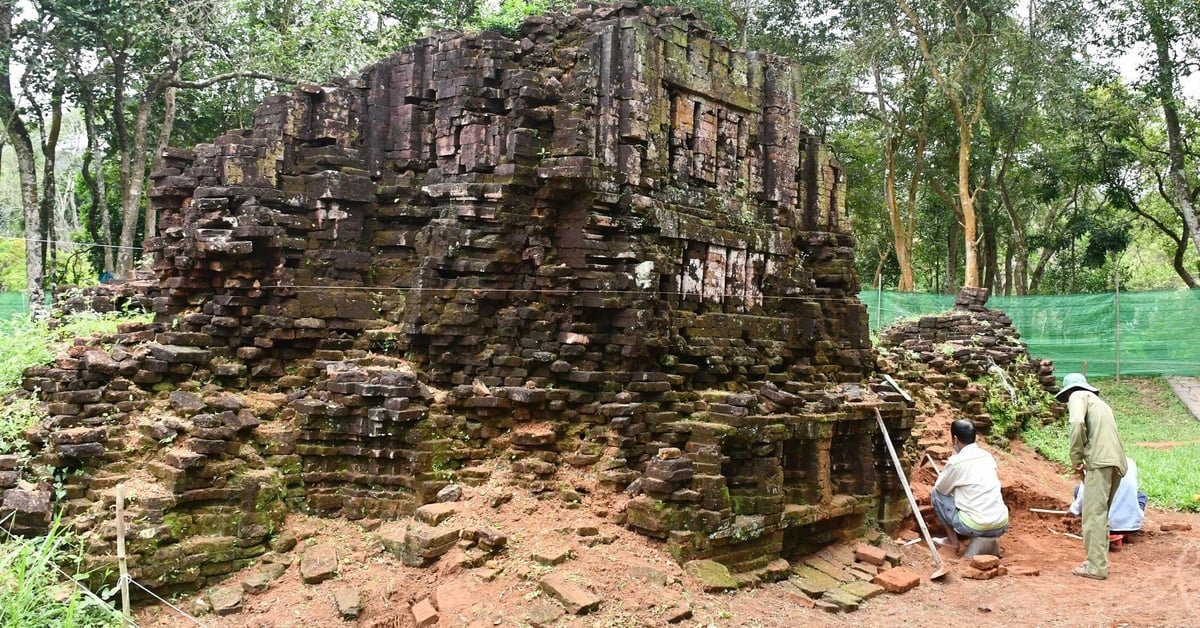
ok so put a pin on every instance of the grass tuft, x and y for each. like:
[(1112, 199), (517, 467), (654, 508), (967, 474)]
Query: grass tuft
[(34, 593)]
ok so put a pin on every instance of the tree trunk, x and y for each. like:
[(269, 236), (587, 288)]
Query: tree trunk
[(125, 167), (1164, 86), (99, 222), (967, 202), (952, 240), (164, 140), (967, 108), (18, 134), (903, 224), (1008, 271), (990, 249), (131, 196), (1177, 260), (50, 181)]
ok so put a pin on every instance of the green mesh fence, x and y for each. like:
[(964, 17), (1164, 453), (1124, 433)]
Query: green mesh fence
[(13, 304), (1158, 333)]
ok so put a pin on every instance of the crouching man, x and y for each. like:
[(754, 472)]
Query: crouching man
[(966, 496)]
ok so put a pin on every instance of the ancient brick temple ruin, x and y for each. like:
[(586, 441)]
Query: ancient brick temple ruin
[(604, 241)]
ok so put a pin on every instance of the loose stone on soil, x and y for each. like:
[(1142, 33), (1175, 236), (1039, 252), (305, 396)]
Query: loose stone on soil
[(897, 580), (318, 564), (713, 576), (348, 601), (577, 599), (225, 600)]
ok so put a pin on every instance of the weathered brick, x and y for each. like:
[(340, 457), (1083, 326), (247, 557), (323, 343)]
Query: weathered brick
[(897, 579)]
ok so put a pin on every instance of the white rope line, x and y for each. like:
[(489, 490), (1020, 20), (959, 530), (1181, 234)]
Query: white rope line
[(72, 243), (155, 596), (90, 594)]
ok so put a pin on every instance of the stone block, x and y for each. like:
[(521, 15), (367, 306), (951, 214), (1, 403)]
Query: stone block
[(433, 514), (897, 579), (318, 564), (416, 544), (812, 582), (845, 601), (972, 573), (225, 600), (713, 576), (863, 590), (348, 601), (985, 561), (424, 614), (870, 554), (574, 596), (551, 555), (184, 459), (491, 540)]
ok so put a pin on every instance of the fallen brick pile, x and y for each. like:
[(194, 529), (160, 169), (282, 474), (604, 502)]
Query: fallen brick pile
[(952, 352)]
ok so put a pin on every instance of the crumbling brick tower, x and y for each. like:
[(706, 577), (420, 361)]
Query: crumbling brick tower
[(603, 241)]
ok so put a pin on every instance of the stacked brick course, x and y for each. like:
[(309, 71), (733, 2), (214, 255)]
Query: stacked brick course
[(954, 350), (608, 243)]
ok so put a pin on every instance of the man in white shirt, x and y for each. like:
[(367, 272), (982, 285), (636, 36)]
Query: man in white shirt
[(966, 496)]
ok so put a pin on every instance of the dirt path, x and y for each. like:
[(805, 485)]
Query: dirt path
[(1188, 391)]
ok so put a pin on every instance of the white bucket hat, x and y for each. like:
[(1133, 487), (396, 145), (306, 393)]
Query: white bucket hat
[(1070, 383)]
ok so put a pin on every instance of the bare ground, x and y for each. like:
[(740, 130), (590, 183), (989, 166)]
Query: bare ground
[(1152, 581)]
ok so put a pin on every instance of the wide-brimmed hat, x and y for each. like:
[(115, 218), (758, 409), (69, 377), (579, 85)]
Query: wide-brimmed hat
[(1071, 382)]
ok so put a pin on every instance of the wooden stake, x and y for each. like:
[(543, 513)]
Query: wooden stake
[(121, 564), (1049, 512)]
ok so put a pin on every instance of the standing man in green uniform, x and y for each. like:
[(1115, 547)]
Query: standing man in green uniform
[(1096, 451)]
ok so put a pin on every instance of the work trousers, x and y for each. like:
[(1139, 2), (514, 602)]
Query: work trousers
[(1099, 487)]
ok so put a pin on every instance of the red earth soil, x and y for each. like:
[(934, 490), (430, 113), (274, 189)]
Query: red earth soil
[(1154, 577)]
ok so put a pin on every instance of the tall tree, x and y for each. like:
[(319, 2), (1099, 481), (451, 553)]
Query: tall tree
[(1166, 35), (956, 41), (18, 134)]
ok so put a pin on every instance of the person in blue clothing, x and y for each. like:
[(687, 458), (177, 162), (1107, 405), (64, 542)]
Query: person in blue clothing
[(1128, 505)]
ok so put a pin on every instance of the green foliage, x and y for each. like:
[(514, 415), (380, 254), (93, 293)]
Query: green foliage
[(1050, 440), (507, 17), (1012, 401), (12, 265), (73, 267), (15, 417), (1158, 433), (34, 593), (23, 343)]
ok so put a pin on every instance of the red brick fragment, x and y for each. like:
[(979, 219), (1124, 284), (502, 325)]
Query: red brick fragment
[(984, 562), (897, 579), (870, 554)]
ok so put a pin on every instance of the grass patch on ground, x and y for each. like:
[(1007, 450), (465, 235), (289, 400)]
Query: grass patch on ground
[(1158, 433), (25, 343), (33, 589), (34, 592)]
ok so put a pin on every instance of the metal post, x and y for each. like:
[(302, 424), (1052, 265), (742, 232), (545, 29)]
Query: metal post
[(878, 302), (1117, 325), (121, 564)]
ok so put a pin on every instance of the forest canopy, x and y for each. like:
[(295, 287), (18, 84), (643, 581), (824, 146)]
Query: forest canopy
[(1025, 147)]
